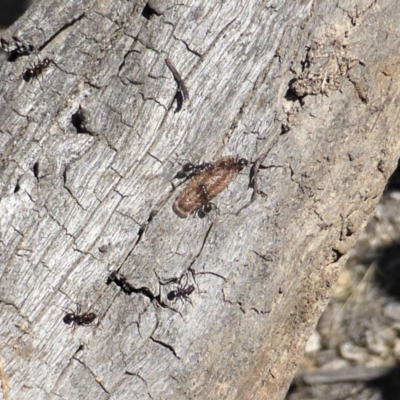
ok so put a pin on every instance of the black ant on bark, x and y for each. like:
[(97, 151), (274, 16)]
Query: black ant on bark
[(78, 319), (207, 207), (189, 170), (182, 293), (36, 69)]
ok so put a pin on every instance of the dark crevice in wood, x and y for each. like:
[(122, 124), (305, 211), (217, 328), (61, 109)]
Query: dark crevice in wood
[(127, 286), (79, 349), (7, 303), (336, 255), (20, 49), (201, 249), (65, 175), (143, 228), (91, 372), (196, 53), (153, 99), (78, 121), (284, 129), (124, 61), (179, 101), (359, 86), (149, 11), (306, 62), (209, 273), (35, 169), (141, 231), (120, 281), (61, 30), (17, 187), (145, 291), (68, 189), (137, 376), (167, 346), (290, 94)]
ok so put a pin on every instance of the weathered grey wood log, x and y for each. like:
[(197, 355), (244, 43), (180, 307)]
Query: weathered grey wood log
[(90, 146)]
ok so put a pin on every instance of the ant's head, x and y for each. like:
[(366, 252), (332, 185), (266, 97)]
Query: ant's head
[(69, 318), (242, 162), (173, 294)]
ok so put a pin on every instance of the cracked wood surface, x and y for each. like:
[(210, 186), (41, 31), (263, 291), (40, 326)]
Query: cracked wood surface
[(88, 151)]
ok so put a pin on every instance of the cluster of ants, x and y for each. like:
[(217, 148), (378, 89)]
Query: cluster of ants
[(182, 292), (207, 181), (80, 319)]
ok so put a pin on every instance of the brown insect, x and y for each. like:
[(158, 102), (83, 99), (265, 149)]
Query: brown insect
[(206, 185)]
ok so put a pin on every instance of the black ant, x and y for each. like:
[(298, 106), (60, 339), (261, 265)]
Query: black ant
[(196, 169), (182, 293), (79, 319), (36, 69), (240, 164), (189, 170), (207, 207)]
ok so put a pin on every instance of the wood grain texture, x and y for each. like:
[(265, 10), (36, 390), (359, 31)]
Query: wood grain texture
[(88, 152)]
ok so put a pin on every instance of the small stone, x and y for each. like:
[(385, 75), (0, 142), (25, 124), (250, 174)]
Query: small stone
[(392, 310), (313, 343), (343, 286), (376, 362), (376, 343), (336, 364), (350, 351)]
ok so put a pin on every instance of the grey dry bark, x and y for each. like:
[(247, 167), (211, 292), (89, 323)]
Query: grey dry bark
[(88, 152)]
